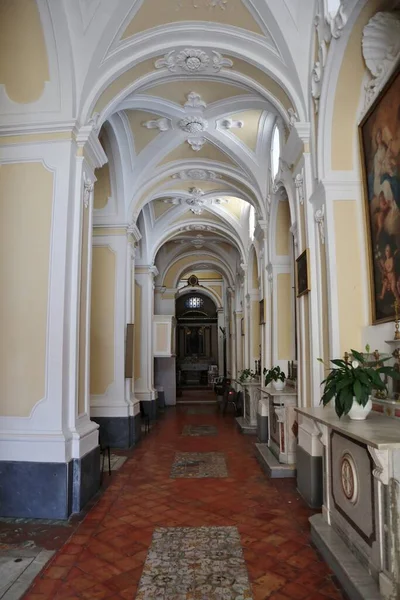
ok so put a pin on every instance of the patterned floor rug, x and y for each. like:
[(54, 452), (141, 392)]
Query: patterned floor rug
[(199, 430), (197, 465), (195, 563)]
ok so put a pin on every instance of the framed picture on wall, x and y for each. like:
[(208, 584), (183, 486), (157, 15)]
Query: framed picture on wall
[(303, 273), (380, 149), (262, 313)]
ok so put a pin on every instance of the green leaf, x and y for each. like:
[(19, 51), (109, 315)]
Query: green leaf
[(357, 389), (347, 400), (358, 356)]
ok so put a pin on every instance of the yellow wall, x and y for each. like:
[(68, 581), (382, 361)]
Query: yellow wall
[(26, 201), (173, 271), (255, 271), (347, 96), (24, 66), (349, 280), (102, 319), (282, 246), (138, 332), (285, 324), (255, 319), (102, 187), (83, 311)]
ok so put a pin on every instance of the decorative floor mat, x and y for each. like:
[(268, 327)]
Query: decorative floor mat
[(116, 462), (202, 410), (199, 430), (195, 563), (197, 465)]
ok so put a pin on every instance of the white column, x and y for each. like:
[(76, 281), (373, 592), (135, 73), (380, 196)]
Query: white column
[(144, 386)]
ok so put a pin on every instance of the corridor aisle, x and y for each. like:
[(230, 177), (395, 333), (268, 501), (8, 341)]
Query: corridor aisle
[(194, 492)]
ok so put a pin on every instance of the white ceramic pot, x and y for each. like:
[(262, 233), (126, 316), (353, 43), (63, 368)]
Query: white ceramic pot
[(358, 412), (278, 385)]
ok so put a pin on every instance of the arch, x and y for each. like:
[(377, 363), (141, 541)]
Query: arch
[(194, 261), (203, 290)]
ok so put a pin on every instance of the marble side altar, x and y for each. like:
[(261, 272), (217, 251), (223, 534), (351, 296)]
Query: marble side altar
[(251, 397), (278, 455), (358, 532)]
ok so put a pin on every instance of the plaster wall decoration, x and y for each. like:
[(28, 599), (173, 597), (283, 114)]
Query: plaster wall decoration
[(319, 217), (162, 124), (294, 230), (196, 202), (195, 100), (88, 187), (293, 117), (230, 124), (94, 122), (200, 174), (299, 183), (381, 51), (381, 462), (193, 60)]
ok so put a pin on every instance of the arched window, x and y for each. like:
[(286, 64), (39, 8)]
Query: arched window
[(275, 152), (252, 222), (194, 302)]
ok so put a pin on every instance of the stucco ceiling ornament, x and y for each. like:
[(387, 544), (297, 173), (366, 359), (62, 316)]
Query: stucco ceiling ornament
[(196, 143), (201, 4), (319, 217), (198, 241), (94, 121), (381, 51), (193, 60), (200, 174), (193, 124), (338, 20), (196, 228), (162, 124), (194, 100), (231, 124), (293, 117)]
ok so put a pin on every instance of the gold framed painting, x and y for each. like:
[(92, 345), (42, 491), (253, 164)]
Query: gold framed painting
[(379, 134), (303, 273)]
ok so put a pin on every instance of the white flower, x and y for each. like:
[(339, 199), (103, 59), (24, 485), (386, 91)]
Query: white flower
[(355, 364)]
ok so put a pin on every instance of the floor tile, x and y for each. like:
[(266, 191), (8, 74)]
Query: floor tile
[(198, 465)]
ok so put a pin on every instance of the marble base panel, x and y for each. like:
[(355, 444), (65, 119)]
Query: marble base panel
[(262, 428), (119, 432), (48, 490), (309, 478), (355, 580), (271, 465)]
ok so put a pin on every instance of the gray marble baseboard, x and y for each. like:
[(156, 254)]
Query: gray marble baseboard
[(309, 477), (262, 428), (271, 465), (48, 490), (119, 432), (150, 408), (355, 580), (245, 427)]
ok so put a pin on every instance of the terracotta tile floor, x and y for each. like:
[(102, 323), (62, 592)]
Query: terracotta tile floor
[(104, 557)]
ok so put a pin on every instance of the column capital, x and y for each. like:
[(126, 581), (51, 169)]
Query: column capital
[(132, 230)]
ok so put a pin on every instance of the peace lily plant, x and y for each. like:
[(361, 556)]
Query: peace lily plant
[(353, 381), (247, 375)]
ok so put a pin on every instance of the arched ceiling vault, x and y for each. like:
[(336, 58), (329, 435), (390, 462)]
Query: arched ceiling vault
[(189, 98)]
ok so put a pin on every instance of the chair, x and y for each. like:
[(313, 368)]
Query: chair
[(104, 448), (230, 398), (145, 418)]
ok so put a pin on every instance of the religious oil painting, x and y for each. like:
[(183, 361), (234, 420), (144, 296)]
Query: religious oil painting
[(380, 145), (302, 273)]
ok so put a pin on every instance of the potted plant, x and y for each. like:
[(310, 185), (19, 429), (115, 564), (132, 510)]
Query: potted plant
[(351, 382), (276, 377), (247, 375)]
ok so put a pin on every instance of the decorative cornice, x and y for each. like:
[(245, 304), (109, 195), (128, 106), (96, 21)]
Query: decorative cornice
[(200, 174), (89, 145), (193, 60), (133, 230)]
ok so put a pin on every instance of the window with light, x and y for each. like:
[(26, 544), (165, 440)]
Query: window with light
[(194, 302), (275, 152)]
